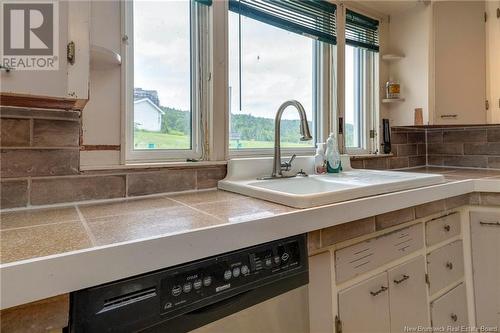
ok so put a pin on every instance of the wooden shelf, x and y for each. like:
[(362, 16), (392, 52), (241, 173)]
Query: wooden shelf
[(103, 58), (393, 100), (392, 57)]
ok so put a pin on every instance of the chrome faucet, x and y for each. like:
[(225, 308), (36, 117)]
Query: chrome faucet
[(278, 166)]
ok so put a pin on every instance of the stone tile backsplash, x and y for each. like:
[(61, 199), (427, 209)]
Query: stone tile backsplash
[(476, 147), (40, 165), (408, 147)]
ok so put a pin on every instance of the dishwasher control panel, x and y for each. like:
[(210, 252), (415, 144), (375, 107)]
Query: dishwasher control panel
[(221, 274), (141, 302)]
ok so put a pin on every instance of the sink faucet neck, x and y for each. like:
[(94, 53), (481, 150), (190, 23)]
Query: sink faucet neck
[(304, 131)]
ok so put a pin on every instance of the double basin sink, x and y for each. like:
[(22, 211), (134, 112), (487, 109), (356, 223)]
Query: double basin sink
[(317, 190)]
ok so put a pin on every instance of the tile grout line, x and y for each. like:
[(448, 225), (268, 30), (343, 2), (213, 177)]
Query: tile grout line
[(39, 225), (28, 193), (92, 238), (196, 209), (32, 131)]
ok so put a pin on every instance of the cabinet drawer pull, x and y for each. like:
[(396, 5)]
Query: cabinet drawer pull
[(449, 116), (454, 317), (447, 227), (496, 224), (404, 278), (449, 265), (381, 290)]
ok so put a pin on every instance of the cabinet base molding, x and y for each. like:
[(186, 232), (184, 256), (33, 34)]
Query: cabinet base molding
[(42, 102)]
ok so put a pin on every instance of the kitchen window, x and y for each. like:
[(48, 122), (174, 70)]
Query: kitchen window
[(361, 78), (275, 54), (166, 70)]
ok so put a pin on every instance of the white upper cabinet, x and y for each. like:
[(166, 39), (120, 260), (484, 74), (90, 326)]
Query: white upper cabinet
[(493, 60), (459, 54), (69, 80)]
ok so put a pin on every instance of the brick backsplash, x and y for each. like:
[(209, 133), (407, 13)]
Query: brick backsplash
[(408, 147), (40, 165), (477, 146), (447, 146)]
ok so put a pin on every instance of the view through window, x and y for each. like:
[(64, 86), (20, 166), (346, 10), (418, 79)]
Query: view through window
[(162, 75), (267, 66), (353, 97)]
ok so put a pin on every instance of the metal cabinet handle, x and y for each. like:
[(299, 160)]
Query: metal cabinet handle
[(404, 278), (447, 227), (449, 265), (381, 290), (454, 317), (449, 116), (496, 224)]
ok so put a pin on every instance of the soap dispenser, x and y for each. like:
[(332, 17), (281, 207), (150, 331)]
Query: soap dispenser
[(319, 159), (333, 162)]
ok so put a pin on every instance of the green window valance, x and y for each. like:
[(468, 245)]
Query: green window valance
[(361, 31)]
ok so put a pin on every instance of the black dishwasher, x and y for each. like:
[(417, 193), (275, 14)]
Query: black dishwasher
[(188, 296)]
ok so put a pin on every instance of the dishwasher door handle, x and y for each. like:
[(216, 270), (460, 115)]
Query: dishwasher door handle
[(221, 304)]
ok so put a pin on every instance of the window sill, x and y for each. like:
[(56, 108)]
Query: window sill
[(369, 156), (153, 165)]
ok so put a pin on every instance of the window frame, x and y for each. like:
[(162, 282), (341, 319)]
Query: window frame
[(320, 114), (200, 89), (370, 112)]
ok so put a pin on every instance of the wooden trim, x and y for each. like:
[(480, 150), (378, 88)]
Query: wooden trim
[(42, 102), (99, 147)]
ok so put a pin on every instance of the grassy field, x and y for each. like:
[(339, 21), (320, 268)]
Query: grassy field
[(144, 140)]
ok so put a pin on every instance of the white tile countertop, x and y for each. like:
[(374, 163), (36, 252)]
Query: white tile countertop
[(126, 238)]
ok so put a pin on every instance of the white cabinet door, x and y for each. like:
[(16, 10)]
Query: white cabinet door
[(459, 62), (445, 266), (408, 296), (67, 80), (485, 234), (364, 308), (450, 310)]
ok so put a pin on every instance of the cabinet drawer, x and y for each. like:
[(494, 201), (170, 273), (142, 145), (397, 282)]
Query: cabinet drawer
[(445, 266), (365, 256), (442, 228), (450, 309)]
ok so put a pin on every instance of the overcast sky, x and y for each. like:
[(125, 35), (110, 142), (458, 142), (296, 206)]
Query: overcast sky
[(276, 64)]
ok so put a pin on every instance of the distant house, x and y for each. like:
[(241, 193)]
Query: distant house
[(147, 116), (140, 93)]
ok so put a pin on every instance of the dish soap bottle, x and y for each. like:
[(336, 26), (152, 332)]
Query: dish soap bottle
[(319, 159), (333, 163)]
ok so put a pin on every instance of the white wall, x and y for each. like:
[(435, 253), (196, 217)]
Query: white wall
[(102, 115), (409, 34)]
